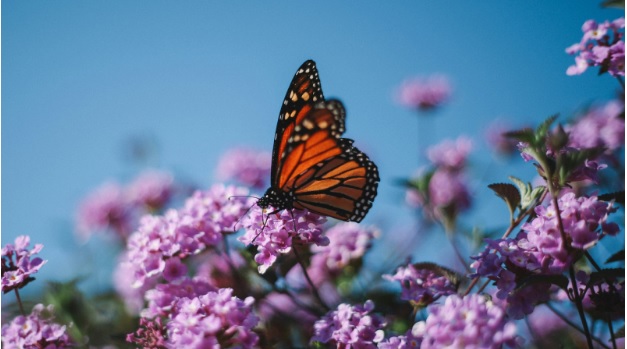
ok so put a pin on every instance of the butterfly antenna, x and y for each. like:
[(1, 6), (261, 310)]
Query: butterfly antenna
[(244, 215)]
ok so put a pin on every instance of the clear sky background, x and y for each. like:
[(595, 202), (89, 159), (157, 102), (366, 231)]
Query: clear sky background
[(80, 79)]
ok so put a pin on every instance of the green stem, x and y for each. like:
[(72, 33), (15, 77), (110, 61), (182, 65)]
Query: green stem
[(611, 328), (573, 325), (19, 302), (314, 290), (579, 305)]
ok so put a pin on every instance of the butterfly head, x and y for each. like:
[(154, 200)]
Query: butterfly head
[(276, 198)]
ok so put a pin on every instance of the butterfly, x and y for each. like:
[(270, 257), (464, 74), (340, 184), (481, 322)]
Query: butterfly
[(313, 168)]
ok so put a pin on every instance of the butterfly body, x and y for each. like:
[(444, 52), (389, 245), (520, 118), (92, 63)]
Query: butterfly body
[(314, 168)]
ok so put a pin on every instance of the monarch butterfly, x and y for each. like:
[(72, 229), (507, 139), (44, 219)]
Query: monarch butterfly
[(314, 168)]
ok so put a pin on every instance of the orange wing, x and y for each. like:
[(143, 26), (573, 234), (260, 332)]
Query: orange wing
[(312, 166), (326, 173)]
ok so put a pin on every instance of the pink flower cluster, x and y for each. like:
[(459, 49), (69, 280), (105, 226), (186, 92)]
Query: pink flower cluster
[(602, 45), (199, 316), (35, 330), (161, 242), (424, 93), (276, 233), (469, 322), (350, 327), (349, 241), (447, 192), (115, 207), (421, 286), (18, 266), (600, 126), (540, 250), (247, 166)]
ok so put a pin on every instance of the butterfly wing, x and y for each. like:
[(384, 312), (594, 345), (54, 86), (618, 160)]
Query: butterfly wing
[(326, 173), (304, 92)]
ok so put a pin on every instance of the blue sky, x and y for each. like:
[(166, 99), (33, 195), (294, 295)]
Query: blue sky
[(82, 78)]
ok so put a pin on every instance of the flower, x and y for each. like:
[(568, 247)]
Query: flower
[(276, 233), (424, 93), (601, 45), (539, 250), (600, 126), (152, 189), (421, 286), (216, 319), (104, 208), (450, 154), (469, 322), (247, 166), (348, 241), (350, 327), (163, 296), (178, 234), (35, 330), (17, 264)]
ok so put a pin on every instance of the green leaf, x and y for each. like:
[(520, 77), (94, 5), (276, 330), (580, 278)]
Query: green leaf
[(508, 193), (560, 281), (618, 197), (613, 3), (524, 135), (616, 257), (543, 130), (606, 274), (529, 195), (620, 333)]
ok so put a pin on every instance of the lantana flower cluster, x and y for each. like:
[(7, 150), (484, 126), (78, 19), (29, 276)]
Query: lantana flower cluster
[(602, 46), (540, 250), (162, 242), (115, 207), (36, 330), (350, 327), (276, 233), (246, 166), (215, 319), (18, 263), (349, 241), (469, 322), (446, 193), (424, 93), (421, 286)]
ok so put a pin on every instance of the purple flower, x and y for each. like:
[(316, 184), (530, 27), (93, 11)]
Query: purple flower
[(469, 322), (17, 264), (36, 330), (450, 154), (276, 233), (247, 166), (199, 225), (600, 126), (104, 208), (163, 296), (601, 45), (349, 241), (350, 327), (584, 220), (424, 94), (421, 286), (152, 189), (448, 190), (216, 319)]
